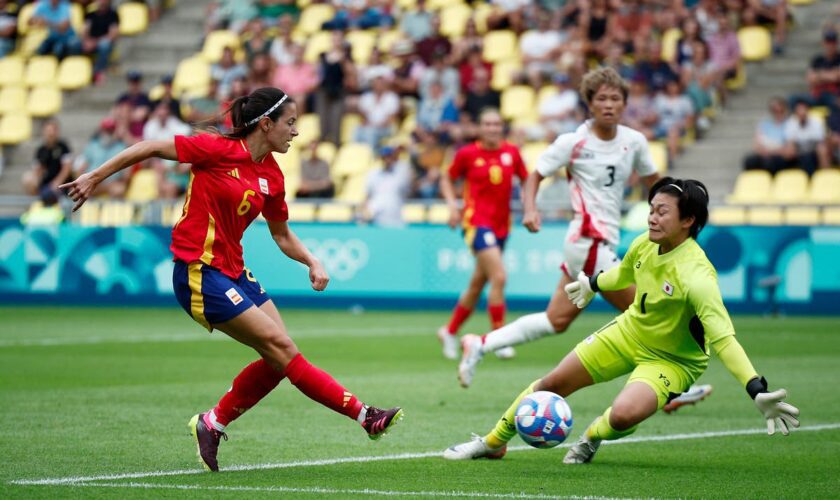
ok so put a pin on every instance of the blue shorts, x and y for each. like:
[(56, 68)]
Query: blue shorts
[(481, 238), (210, 297)]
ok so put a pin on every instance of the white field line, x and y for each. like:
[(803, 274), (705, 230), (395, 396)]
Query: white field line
[(80, 480), (201, 336), (334, 491)]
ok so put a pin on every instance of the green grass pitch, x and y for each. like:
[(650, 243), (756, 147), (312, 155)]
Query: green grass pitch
[(97, 400)]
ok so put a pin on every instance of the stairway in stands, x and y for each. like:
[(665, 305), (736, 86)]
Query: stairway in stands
[(717, 158), (175, 36)]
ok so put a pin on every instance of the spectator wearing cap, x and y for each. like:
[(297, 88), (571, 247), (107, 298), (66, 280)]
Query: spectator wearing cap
[(62, 40), (823, 75), (379, 108), (315, 180), (435, 44), (53, 161), (102, 27), (806, 134), (417, 23), (168, 97), (104, 145), (387, 189), (298, 78), (8, 29), (771, 149)]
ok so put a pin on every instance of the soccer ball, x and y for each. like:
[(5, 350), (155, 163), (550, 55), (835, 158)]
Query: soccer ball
[(543, 419)]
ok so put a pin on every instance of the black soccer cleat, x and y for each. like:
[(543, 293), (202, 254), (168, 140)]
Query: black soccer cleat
[(207, 441), (378, 422)]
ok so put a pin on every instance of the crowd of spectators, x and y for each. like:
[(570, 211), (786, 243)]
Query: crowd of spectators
[(423, 92)]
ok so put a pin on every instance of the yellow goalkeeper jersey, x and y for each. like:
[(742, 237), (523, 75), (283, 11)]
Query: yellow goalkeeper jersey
[(678, 311)]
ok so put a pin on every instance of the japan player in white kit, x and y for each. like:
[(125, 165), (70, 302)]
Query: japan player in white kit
[(600, 156)]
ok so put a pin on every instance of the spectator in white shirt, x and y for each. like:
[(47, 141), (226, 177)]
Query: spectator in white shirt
[(379, 108), (387, 189), (540, 48), (807, 135)]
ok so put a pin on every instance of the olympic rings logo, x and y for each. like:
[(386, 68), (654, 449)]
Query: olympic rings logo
[(341, 259)]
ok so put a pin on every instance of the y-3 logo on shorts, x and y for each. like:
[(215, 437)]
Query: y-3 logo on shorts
[(234, 296), (665, 380)]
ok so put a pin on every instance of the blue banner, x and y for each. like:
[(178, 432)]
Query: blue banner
[(793, 268)]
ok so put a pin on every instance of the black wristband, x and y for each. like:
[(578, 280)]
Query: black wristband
[(756, 386), (593, 282)]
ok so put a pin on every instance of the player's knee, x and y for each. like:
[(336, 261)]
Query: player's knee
[(559, 322), (280, 347), (499, 278), (623, 417)]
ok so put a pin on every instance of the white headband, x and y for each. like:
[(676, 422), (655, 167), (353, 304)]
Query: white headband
[(698, 187), (268, 112), (678, 188)]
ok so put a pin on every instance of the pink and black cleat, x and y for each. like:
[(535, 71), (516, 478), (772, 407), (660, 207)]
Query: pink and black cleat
[(378, 422)]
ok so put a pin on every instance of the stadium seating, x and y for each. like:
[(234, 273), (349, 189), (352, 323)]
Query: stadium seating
[(728, 216), (316, 44), (362, 44), (41, 70), (75, 72), (326, 152), (335, 212), (29, 43), (349, 123), (387, 39), (143, 186), (23, 18), (453, 19), (309, 128), (825, 187), (116, 213), (414, 213), (500, 45), (12, 99), (751, 186), (756, 43), (765, 216), (531, 153), (352, 158), (11, 70), (669, 44), (354, 188), (438, 214), (15, 128), (504, 72), (134, 18), (314, 16), (517, 101), (659, 155), (831, 216), (802, 216), (192, 73), (44, 101), (216, 42), (789, 186), (302, 212)]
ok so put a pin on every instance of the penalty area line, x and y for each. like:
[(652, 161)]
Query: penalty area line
[(90, 480)]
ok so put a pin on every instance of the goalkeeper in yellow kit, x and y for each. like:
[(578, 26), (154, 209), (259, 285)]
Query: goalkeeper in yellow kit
[(663, 340)]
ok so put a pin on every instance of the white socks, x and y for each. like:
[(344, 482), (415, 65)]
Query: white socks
[(362, 414), (525, 329), (211, 416)]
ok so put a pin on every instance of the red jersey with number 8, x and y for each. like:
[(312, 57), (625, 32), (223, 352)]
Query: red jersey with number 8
[(488, 175), (226, 192)]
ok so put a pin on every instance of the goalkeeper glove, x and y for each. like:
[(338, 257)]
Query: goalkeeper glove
[(779, 414), (580, 292)]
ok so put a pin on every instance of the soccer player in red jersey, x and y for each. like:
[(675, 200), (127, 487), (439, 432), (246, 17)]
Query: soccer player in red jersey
[(488, 167), (233, 178)]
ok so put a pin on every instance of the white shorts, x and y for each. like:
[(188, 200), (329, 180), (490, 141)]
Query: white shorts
[(588, 255)]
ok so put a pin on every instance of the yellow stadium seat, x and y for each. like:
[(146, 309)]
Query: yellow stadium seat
[(789, 186), (292, 184), (500, 45), (15, 128), (831, 216), (819, 112), (143, 186), (531, 153), (302, 212), (11, 70), (453, 19), (545, 93), (407, 4), (77, 17), (116, 213), (216, 42), (765, 216), (349, 123), (289, 161), (517, 101), (318, 43), (354, 189), (314, 16), (74, 72), (414, 213), (134, 18), (480, 14), (44, 100), (170, 213), (352, 158), (659, 154), (12, 99), (28, 44), (669, 44), (825, 187), (41, 70), (800, 2), (738, 81), (309, 128), (192, 73), (326, 152), (437, 5), (728, 216), (24, 15), (361, 45), (756, 43), (387, 39), (438, 214), (88, 214), (751, 186), (335, 212), (503, 73), (802, 216)]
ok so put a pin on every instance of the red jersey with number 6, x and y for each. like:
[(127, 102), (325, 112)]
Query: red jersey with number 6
[(488, 175), (226, 192)]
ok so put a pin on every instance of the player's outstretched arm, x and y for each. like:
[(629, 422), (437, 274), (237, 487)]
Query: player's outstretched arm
[(779, 414), (82, 188), (290, 244)]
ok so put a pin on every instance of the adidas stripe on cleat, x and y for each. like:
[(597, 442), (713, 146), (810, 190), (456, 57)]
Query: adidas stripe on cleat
[(378, 422), (207, 441)]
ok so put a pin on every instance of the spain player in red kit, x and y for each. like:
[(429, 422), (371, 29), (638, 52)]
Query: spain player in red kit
[(488, 167), (234, 178)]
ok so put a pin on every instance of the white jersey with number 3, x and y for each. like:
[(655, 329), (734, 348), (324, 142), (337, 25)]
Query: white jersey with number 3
[(598, 171)]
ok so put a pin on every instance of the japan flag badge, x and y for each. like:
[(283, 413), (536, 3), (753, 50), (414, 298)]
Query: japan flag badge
[(668, 288)]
